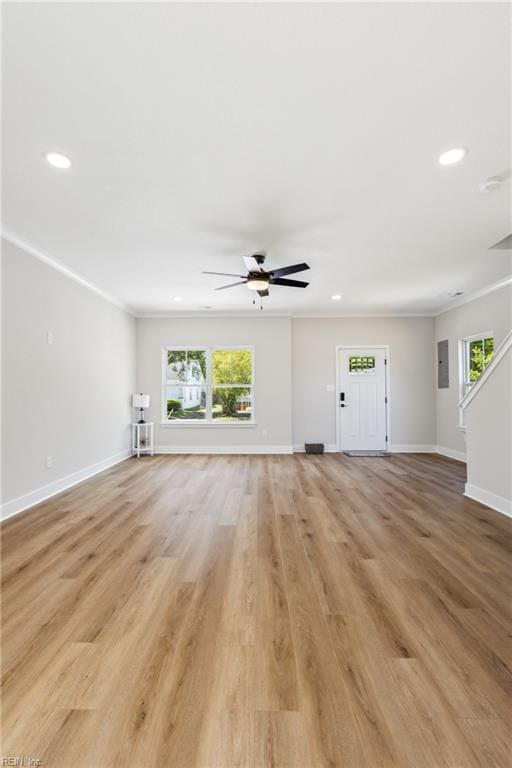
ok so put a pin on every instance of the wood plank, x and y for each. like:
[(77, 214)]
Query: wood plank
[(295, 611)]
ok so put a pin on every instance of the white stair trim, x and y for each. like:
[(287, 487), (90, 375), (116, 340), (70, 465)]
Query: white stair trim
[(500, 353)]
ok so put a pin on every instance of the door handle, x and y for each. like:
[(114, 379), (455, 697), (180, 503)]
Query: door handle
[(342, 400)]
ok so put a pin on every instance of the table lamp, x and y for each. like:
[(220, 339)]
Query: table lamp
[(140, 401)]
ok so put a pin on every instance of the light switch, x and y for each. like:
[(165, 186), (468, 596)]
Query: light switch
[(49, 337), (329, 388)]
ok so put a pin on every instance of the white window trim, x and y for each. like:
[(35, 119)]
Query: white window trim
[(463, 386), (210, 423)]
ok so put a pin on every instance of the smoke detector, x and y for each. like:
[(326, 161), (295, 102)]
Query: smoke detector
[(453, 294)]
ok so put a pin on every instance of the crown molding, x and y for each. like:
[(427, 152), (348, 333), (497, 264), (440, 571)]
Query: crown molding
[(341, 315), (262, 315), (201, 315), (19, 242), (474, 295), (24, 245)]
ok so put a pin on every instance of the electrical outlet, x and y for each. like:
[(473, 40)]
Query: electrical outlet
[(49, 462), (49, 337), (264, 433)]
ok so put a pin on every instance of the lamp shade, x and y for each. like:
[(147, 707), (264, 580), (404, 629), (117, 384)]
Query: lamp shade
[(140, 400)]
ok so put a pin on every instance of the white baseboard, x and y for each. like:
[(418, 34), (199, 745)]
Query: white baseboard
[(492, 500), (226, 449), (450, 453), (20, 503), (329, 448), (411, 448)]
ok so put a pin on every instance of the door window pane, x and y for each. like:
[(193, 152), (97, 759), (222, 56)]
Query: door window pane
[(361, 365)]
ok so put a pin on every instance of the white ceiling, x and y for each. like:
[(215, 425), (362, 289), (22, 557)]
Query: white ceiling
[(202, 132)]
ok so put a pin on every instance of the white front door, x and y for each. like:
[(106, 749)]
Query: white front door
[(362, 399)]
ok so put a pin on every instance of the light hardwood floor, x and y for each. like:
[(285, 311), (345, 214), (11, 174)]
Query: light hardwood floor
[(301, 611)]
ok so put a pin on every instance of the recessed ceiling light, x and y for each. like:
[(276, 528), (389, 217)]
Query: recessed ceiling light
[(178, 298), (58, 160), (452, 156), (336, 297)]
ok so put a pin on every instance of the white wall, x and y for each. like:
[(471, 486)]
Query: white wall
[(489, 440), (488, 313), (411, 375), (69, 400), (271, 339)]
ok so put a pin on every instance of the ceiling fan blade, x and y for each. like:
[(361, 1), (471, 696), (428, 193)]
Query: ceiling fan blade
[(503, 245), (252, 264), (282, 271), (224, 274), (231, 285), (290, 283), (263, 293)]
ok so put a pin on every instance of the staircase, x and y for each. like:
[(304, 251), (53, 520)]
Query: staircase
[(487, 413)]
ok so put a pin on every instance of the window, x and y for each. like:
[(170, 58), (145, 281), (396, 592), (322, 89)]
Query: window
[(185, 384), (212, 385), (232, 384), (476, 354), (358, 365)]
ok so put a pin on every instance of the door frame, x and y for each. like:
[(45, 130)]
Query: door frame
[(338, 349)]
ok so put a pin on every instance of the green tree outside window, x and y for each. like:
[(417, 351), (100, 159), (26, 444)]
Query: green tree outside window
[(229, 367), (481, 352)]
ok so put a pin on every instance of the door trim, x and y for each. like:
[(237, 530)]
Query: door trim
[(338, 349)]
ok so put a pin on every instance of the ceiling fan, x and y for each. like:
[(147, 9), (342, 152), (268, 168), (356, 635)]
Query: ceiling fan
[(259, 279)]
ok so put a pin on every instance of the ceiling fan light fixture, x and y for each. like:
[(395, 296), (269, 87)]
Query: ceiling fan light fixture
[(256, 283)]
